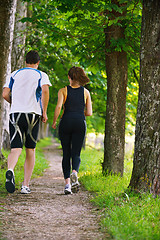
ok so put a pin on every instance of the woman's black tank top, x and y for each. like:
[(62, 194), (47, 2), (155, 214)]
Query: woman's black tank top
[(75, 104)]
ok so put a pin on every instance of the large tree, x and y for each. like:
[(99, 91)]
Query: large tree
[(117, 71), (7, 12), (146, 165)]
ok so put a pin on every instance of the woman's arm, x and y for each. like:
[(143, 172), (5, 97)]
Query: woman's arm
[(58, 108), (88, 110)]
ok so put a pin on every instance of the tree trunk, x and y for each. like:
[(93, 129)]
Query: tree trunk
[(15, 61), (7, 11), (6, 105), (18, 48), (116, 69), (146, 165)]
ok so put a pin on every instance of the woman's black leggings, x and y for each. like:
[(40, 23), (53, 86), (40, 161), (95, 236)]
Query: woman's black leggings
[(71, 133)]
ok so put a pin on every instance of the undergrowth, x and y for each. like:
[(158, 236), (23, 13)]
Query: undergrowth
[(125, 215)]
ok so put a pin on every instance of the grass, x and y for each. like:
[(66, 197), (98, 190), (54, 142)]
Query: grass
[(124, 214), (40, 165)]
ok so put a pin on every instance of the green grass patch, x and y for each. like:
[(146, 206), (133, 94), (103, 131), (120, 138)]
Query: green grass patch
[(125, 215), (40, 165)]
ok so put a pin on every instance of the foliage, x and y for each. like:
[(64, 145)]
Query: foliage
[(132, 96), (124, 214), (67, 33)]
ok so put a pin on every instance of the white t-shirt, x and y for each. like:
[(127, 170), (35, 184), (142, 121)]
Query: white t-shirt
[(23, 84)]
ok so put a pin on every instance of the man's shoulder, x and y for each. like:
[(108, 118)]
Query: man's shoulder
[(45, 79), (43, 73), (23, 71), (28, 70), (13, 73)]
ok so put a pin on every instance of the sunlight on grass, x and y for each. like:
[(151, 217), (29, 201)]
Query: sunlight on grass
[(125, 215)]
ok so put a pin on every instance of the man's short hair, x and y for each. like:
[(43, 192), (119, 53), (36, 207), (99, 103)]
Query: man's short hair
[(32, 57)]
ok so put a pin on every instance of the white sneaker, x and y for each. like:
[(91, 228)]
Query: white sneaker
[(67, 189), (25, 190), (74, 182)]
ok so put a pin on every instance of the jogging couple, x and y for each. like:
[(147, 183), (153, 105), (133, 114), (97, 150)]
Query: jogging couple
[(27, 90)]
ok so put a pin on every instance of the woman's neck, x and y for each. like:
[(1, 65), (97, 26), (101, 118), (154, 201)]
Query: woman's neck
[(74, 84)]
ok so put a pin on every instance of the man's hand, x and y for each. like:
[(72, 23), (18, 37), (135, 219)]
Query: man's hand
[(44, 118)]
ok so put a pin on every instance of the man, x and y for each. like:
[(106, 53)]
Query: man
[(27, 90)]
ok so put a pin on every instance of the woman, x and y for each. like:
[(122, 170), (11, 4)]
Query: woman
[(72, 128)]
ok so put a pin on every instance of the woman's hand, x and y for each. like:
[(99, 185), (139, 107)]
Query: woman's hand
[(54, 125), (58, 107)]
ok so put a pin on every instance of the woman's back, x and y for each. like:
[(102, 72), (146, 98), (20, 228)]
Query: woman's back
[(75, 104)]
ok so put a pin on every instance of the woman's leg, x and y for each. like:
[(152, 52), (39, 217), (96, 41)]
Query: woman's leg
[(65, 137), (77, 143), (66, 161)]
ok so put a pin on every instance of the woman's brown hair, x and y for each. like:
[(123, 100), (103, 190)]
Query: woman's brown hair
[(77, 74)]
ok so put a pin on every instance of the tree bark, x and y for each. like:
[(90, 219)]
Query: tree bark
[(18, 48), (146, 165), (7, 11), (116, 69), (15, 61)]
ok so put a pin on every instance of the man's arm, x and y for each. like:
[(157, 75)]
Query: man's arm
[(7, 94), (45, 100)]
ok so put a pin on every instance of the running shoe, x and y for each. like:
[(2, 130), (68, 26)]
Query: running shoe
[(25, 190), (67, 189), (74, 183), (10, 181)]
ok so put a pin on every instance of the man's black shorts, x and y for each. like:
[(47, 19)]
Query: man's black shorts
[(23, 127)]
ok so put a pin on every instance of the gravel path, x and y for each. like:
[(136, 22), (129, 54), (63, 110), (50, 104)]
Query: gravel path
[(47, 213)]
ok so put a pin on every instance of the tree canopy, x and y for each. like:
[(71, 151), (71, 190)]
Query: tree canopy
[(67, 33)]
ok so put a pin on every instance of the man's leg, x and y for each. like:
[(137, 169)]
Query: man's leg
[(12, 161), (16, 140), (13, 157), (32, 127), (28, 165)]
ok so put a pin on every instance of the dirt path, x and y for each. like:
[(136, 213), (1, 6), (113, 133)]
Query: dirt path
[(47, 213)]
